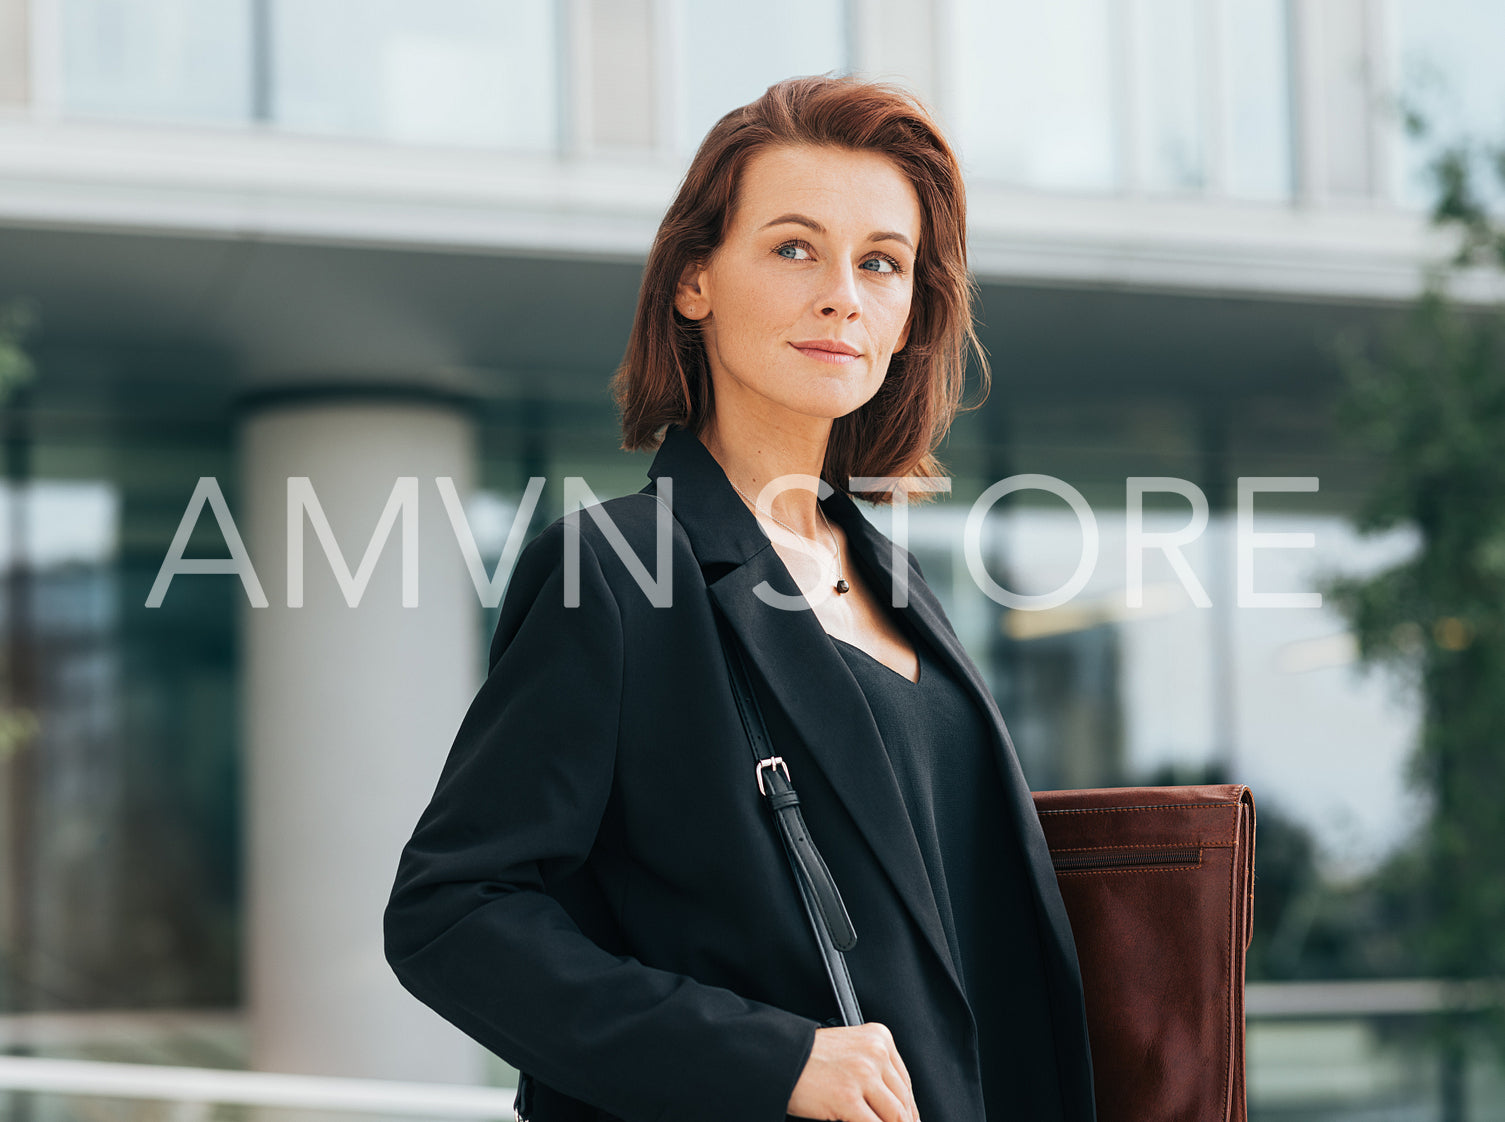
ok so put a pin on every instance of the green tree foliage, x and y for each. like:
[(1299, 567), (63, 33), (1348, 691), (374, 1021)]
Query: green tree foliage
[(1428, 404), (17, 318)]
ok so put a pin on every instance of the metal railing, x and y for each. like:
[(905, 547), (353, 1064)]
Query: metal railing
[(196, 1090), (1365, 998), (206, 1087)]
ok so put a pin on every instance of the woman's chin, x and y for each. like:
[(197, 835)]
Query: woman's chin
[(835, 399), (817, 398), (831, 410)]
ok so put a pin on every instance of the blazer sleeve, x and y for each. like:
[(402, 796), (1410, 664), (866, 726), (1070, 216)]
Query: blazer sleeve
[(472, 931)]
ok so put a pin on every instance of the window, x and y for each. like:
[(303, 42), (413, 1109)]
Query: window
[(468, 72), (186, 60), (774, 40), (1035, 86)]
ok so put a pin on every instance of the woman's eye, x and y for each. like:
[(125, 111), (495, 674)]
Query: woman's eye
[(885, 265)]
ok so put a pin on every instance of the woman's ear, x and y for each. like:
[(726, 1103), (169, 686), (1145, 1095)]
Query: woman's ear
[(689, 297)]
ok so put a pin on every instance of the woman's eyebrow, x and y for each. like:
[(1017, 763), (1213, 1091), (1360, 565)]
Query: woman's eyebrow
[(810, 223)]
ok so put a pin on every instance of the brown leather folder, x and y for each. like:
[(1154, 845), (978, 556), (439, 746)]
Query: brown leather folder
[(1159, 885)]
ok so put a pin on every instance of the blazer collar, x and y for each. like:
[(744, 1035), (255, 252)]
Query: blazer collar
[(807, 677)]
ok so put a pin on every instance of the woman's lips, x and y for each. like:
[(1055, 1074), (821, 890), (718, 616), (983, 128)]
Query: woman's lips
[(835, 358)]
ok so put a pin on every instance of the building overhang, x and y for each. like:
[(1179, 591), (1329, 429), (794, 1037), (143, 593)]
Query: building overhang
[(249, 183)]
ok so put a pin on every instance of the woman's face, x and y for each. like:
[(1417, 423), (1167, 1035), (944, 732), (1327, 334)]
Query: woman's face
[(821, 250)]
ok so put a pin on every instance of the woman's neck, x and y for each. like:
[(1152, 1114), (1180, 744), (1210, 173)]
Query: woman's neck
[(754, 455)]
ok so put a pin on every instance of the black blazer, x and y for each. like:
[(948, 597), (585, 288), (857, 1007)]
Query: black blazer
[(597, 892)]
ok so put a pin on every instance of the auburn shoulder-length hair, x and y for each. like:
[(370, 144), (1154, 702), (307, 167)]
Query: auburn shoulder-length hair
[(664, 376)]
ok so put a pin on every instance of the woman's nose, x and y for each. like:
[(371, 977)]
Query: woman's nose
[(842, 294)]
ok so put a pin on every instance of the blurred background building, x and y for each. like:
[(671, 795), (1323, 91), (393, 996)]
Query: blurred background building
[(359, 240)]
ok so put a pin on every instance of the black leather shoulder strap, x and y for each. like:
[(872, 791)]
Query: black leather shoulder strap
[(823, 903)]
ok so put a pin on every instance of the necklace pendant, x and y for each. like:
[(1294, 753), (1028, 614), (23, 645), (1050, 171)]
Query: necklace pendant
[(843, 586)]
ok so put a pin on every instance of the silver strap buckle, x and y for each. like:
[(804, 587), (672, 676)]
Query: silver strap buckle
[(771, 762)]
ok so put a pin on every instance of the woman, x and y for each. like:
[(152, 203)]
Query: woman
[(597, 892)]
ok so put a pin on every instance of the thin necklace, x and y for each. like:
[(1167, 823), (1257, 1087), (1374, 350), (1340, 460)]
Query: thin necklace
[(841, 584)]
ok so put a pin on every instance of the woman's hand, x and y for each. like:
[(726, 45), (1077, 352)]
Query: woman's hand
[(854, 1074)]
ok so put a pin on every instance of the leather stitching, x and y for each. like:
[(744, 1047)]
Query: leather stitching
[(1142, 869), (1156, 806), (1147, 845)]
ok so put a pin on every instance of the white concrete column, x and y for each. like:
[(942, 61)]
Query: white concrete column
[(347, 715)]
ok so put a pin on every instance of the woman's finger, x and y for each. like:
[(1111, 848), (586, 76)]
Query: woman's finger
[(897, 1084), (907, 1084), (889, 1104)]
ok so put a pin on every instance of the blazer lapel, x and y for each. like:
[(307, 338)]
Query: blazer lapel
[(802, 671)]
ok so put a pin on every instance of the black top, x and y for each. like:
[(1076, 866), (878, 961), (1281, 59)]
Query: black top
[(942, 757)]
